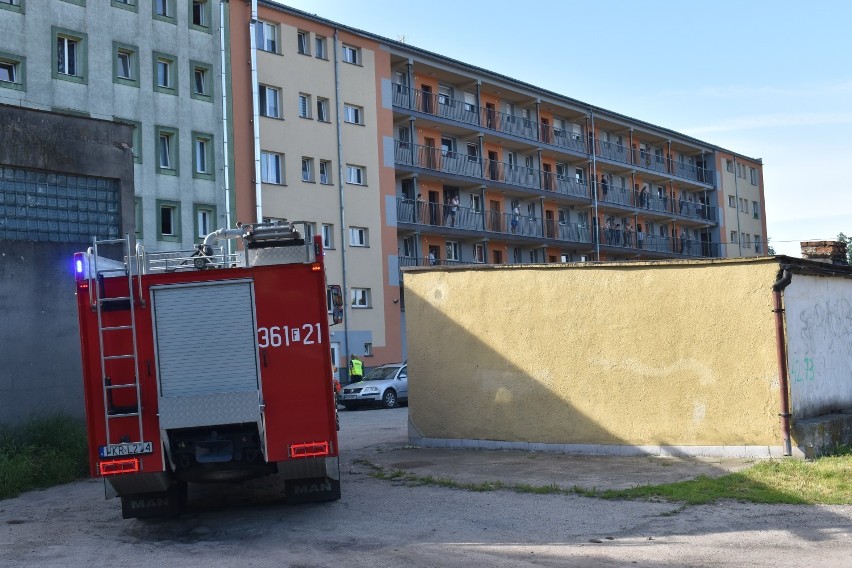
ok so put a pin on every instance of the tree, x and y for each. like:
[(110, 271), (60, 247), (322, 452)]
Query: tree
[(769, 248), (848, 240)]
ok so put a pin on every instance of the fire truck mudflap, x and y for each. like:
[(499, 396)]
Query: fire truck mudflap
[(199, 368)]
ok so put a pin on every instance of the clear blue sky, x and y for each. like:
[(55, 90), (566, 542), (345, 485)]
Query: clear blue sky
[(766, 79)]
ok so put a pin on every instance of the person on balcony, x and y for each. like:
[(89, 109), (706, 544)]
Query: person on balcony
[(604, 187), (640, 236), (420, 208), (454, 208), (516, 217)]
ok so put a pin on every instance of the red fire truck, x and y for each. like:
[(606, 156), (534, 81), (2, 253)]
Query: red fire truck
[(205, 366)]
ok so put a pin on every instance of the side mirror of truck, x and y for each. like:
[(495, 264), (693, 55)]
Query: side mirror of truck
[(335, 294)]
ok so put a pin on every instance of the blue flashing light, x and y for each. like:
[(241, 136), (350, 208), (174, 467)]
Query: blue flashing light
[(79, 266)]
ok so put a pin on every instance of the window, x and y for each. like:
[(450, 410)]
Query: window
[(200, 15), (758, 246), (445, 95), (361, 298), (469, 101), (168, 220), (752, 174), (452, 251), (270, 168), (309, 230), (12, 71), (368, 350), (320, 50), (266, 35), (125, 64), (355, 175), (729, 165), (269, 97), (137, 211), (755, 210), (745, 240), (328, 236), (303, 43), (743, 205), (70, 51), (322, 110), (202, 84), (408, 248), (732, 201), (734, 237), (351, 54), (125, 4), (304, 106), (165, 73), (165, 10), (741, 171), (353, 114), (167, 151), (325, 172), (202, 156), (358, 237), (308, 169), (476, 203), (479, 252), (205, 218), (13, 5)]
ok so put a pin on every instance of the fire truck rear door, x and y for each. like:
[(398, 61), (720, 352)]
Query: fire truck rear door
[(206, 354)]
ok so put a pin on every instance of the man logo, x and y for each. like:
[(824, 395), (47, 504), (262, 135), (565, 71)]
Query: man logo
[(148, 503), (311, 488)]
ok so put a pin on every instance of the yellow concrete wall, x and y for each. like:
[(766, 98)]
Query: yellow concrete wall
[(671, 353)]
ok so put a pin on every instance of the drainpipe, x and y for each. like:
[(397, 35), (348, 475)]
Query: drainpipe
[(225, 121), (255, 112), (593, 186), (346, 310), (784, 278)]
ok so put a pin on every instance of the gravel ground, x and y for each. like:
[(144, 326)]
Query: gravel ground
[(382, 523)]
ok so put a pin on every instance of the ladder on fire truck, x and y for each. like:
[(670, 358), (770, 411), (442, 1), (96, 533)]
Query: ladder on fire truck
[(104, 303)]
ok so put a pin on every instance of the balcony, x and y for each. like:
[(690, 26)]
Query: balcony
[(623, 196), (488, 222), (528, 129), (613, 239), (474, 167)]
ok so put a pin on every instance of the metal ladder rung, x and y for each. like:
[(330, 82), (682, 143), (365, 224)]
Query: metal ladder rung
[(116, 299), (126, 415), (116, 327), (127, 386), (111, 357), (111, 241)]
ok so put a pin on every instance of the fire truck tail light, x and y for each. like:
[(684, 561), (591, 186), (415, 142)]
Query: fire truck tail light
[(310, 449), (118, 466), (316, 267)]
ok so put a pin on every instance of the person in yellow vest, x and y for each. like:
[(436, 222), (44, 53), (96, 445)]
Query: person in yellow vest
[(356, 369)]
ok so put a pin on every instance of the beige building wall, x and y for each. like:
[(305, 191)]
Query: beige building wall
[(743, 218), (659, 354)]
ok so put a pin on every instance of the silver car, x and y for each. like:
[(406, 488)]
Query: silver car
[(386, 385)]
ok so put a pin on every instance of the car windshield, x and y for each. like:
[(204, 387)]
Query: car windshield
[(381, 373)]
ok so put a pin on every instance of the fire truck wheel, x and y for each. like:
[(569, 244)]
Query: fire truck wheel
[(389, 399), (349, 406)]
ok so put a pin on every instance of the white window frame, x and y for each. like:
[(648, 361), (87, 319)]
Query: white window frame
[(327, 236), (165, 150), (68, 59), (270, 106), (356, 175), (359, 237), (201, 75), (734, 239), (360, 298), (203, 222), (201, 163), (321, 47), (304, 105), (272, 168), (200, 8), (13, 69), (173, 221), (307, 169), (479, 253), (303, 42), (267, 36), (452, 251), (353, 114), (325, 172), (732, 201), (164, 68), (322, 110), (350, 54)]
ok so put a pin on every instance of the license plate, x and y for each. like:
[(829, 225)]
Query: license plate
[(116, 450), (349, 396)]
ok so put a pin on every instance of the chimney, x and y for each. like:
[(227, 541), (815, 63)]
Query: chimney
[(829, 252)]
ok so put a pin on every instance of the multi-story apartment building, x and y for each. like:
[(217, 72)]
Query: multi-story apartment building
[(400, 157), (153, 64)]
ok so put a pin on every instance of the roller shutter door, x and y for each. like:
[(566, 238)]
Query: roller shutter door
[(205, 338)]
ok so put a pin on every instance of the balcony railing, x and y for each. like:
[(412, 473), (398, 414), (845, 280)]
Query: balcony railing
[(466, 218), (617, 237), (655, 202), (529, 129)]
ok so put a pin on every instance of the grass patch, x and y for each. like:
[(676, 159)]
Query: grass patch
[(824, 481), (42, 453)]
